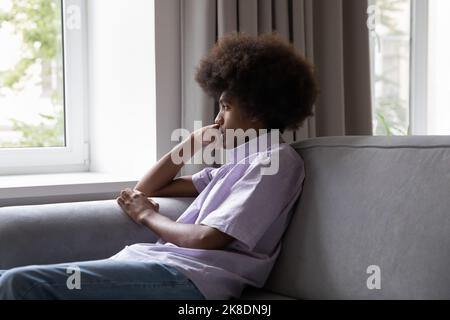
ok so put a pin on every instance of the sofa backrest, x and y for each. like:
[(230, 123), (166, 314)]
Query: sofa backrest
[(373, 221)]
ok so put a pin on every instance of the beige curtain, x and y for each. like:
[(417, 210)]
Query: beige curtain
[(341, 55), (330, 33)]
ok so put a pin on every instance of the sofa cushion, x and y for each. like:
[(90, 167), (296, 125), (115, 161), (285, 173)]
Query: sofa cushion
[(369, 201), (77, 231)]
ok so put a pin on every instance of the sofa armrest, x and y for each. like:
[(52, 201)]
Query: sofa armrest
[(76, 231)]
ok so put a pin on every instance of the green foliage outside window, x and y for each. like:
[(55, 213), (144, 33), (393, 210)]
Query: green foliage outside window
[(391, 110), (38, 22)]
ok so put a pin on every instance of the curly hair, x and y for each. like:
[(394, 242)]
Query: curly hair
[(270, 80)]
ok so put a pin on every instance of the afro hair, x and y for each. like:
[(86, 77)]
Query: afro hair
[(270, 80)]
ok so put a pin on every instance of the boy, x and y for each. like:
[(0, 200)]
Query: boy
[(229, 237)]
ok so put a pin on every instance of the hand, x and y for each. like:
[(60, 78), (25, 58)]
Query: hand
[(137, 205), (199, 134)]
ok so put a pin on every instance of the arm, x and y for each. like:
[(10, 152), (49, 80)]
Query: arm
[(186, 235), (160, 182), (145, 211)]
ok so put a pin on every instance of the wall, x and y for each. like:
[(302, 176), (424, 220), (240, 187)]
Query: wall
[(121, 86)]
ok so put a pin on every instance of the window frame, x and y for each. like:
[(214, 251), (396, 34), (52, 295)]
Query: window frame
[(74, 156), (418, 104), (418, 67)]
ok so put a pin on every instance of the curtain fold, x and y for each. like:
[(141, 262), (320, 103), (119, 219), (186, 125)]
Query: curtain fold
[(331, 34), (342, 58), (358, 108), (197, 35)]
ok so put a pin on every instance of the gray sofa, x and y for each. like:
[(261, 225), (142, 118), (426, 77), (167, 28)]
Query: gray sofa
[(367, 201)]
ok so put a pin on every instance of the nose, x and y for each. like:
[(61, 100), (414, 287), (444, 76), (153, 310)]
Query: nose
[(219, 119)]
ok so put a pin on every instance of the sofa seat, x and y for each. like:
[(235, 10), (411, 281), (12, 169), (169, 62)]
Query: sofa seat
[(368, 203)]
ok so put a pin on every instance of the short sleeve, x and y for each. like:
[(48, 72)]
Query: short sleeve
[(202, 178), (254, 202)]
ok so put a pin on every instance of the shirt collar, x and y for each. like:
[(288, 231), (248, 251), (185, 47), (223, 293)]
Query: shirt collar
[(263, 142)]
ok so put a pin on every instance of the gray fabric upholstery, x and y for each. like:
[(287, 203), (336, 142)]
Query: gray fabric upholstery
[(366, 201), (369, 201), (65, 232)]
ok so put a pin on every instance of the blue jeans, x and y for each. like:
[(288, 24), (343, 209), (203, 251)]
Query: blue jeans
[(97, 279)]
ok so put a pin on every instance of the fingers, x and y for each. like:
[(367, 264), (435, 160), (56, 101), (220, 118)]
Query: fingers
[(212, 126), (125, 197), (122, 203), (208, 127), (126, 193), (156, 204), (209, 133)]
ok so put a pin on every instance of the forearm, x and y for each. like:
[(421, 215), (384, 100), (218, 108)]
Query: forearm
[(144, 211), (181, 234), (165, 170)]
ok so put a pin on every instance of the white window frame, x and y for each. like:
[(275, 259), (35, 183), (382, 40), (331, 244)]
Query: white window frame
[(419, 68), (74, 156)]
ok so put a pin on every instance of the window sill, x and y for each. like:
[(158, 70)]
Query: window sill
[(63, 187)]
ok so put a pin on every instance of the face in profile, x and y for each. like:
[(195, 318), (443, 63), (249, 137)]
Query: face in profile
[(231, 118)]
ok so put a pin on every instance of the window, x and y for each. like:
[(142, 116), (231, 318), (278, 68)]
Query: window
[(390, 43), (410, 67), (42, 93), (438, 74)]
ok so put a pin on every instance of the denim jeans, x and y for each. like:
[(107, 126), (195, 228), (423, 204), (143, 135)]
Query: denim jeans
[(97, 279)]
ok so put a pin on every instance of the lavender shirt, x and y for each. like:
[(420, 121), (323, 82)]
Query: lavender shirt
[(237, 199)]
